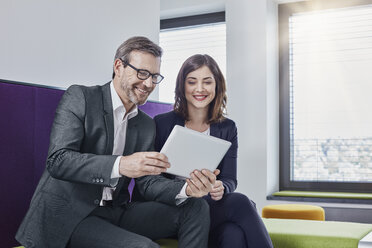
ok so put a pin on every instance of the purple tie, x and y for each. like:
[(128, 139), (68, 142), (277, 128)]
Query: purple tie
[(130, 188)]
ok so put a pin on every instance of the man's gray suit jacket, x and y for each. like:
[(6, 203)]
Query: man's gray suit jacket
[(79, 165)]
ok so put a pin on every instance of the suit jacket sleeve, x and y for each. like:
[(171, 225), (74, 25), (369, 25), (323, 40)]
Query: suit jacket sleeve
[(162, 132), (228, 165), (65, 160)]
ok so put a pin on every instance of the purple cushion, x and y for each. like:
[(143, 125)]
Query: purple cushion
[(27, 113), (154, 108)]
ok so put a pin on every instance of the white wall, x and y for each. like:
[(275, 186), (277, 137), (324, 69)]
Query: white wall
[(60, 43), (272, 91), (179, 8), (252, 84)]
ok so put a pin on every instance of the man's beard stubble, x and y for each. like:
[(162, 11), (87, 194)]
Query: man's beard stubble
[(129, 91)]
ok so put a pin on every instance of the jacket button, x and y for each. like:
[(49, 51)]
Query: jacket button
[(96, 201)]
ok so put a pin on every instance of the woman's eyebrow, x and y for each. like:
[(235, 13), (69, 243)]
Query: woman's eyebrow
[(191, 78), (196, 78)]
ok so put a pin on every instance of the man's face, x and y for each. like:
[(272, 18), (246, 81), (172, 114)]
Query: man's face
[(132, 89)]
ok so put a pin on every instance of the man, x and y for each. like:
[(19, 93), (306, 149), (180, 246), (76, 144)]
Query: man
[(99, 141)]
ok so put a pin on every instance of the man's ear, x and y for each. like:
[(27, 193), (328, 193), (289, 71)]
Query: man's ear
[(117, 67)]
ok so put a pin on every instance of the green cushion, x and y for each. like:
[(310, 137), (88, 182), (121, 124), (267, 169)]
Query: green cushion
[(164, 243), (364, 196), (289, 233), (167, 243)]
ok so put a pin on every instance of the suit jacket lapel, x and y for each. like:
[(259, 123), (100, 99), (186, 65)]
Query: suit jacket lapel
[(109, 117), (131, 137), (130, 145), (178, 120), (215, 130)]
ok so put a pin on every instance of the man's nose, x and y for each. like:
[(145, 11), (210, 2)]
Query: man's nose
[(148, 82)]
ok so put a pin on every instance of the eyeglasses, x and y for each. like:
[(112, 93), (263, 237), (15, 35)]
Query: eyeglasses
[(143, 74)]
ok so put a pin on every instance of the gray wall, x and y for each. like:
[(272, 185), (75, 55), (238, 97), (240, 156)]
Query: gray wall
[(60, 43), (252, 78)]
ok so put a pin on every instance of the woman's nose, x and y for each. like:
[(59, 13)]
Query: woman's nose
[(199, 87)]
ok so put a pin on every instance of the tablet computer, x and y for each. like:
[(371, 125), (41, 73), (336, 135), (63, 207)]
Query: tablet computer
[(188, 150)]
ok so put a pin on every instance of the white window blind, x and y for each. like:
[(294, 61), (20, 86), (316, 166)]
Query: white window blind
[(180, 43), (331, 95)]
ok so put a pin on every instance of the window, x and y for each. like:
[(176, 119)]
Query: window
[(182, 37), (325, 94)]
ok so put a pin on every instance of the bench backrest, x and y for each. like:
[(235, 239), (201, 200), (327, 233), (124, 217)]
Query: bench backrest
[(26, 116)]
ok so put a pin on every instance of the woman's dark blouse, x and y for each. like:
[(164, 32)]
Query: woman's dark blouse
[(224, 130)]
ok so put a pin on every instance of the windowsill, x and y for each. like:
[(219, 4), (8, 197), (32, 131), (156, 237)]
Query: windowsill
[(328, 197)]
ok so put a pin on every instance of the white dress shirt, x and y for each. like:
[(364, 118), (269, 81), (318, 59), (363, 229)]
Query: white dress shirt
[(120, 133)]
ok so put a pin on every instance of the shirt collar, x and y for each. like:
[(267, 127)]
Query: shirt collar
[(118, 107)]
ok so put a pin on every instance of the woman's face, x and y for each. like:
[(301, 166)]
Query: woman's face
[(200, 88)]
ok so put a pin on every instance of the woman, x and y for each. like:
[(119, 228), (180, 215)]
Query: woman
[(200, 102)]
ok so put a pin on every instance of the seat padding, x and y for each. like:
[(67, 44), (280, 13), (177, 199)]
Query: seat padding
[(290, 233)]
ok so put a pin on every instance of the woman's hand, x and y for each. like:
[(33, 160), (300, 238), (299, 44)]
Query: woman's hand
[(217, 191), (201, 182)]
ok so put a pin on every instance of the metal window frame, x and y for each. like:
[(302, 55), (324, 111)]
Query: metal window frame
[(285, 11), (194, 20)]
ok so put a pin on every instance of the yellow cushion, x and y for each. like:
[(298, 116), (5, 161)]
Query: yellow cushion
[(293, 211)]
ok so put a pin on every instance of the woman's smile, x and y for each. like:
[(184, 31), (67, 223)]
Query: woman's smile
[(200, 97)]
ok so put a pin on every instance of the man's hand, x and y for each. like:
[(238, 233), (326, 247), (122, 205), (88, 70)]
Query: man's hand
[(143, 163), (217, 191), (201, 182)]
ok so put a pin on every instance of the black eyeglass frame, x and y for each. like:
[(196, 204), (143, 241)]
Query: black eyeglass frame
[(157, 75)]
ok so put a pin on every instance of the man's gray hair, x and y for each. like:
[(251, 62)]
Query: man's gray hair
[(137, 43)]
